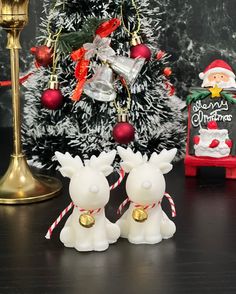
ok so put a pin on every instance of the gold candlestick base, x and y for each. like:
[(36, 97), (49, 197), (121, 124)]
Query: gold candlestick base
[(19, 186)]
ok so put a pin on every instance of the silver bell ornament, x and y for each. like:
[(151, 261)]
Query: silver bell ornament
[(100, 86), (126, 67)]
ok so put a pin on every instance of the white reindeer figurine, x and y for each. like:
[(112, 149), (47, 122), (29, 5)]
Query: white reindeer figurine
[(87, 228), (145, 222)]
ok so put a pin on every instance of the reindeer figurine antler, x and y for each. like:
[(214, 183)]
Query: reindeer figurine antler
[(145, 221), (87, 228)]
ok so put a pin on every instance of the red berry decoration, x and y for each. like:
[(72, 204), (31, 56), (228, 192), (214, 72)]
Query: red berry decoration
[(167, 71), (123, 132), (229, 143), (214, 143), (212, 125), (140, 51), (160, 54), (52, 99), (43, 55), (196, 140)]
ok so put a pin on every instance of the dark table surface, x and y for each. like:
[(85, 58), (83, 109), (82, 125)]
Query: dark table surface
[(201, 258)]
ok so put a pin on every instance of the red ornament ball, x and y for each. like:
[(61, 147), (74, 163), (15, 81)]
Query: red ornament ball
[(123, 132), (140, 51), (212, 125), (52, 99), (43, 55)]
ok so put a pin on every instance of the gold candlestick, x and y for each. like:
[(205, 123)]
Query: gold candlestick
[(18, 185)]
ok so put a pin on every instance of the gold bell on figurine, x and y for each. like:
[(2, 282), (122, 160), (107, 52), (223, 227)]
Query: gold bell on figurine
[(86, 220), (140, 215), (126, 67), (100, 86)]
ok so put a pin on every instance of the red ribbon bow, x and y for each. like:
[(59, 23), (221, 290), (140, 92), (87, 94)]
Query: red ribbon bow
[(81, 71), (107, 27)]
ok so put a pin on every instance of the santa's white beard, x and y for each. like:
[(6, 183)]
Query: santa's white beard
[(230, 84)]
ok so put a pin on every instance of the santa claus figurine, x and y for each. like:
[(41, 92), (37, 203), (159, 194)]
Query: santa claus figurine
[(218, 73)]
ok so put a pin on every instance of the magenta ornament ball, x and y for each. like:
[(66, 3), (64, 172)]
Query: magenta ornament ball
[(140, 51), (123, 133), (52, 99)]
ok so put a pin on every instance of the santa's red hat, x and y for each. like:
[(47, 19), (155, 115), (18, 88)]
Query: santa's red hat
[(217, 66)]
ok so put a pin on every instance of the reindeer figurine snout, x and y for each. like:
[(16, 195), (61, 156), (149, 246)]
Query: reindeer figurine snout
[(145, 222), (87, 228)]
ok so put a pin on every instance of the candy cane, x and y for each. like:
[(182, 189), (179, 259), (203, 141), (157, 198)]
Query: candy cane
[(172, 204), (119, 210), (121, 177), (56, 222)]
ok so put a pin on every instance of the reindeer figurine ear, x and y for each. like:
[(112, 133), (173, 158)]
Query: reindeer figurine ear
[(103, 162), (69, 165), (130, 159), (162, 160), (165, 167)]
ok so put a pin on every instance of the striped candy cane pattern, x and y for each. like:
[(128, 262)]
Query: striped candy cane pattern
[(56, 222), (147, 206), (91, 211), (170, 199), (123, 204), (121, 177), (172, 204), (127, 200)]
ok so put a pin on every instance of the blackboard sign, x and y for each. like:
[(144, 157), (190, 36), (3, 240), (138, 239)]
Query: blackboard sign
[(211, 128)]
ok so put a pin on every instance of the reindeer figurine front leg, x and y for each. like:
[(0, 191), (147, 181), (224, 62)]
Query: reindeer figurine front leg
[(87, 228), (144, 222)]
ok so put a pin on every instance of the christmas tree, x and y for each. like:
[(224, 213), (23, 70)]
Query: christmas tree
[(85, 127)]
